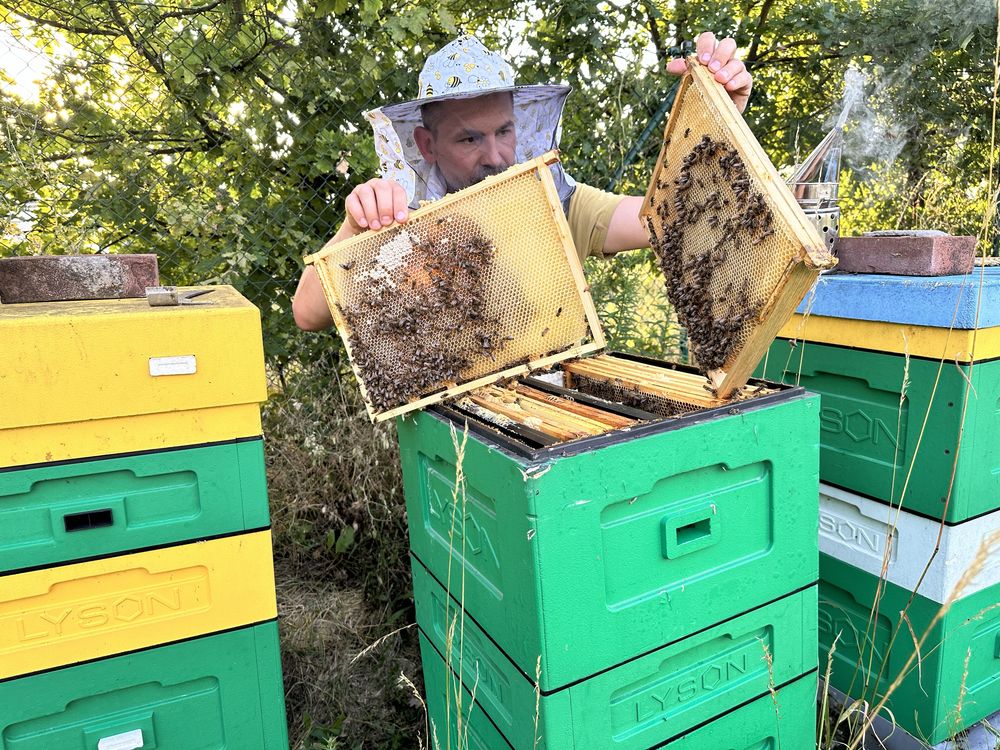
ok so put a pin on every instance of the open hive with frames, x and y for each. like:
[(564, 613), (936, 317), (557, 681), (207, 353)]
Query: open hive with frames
[(480, 300)]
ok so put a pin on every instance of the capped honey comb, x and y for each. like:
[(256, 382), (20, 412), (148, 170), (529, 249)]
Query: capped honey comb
[(737, 252), (481, 285)]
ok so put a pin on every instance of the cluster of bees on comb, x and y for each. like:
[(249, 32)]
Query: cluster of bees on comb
[(709, 212), (618, 392), (420, 319)]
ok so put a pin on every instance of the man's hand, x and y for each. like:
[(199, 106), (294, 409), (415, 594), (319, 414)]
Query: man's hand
[(376, 204), (719, 58)]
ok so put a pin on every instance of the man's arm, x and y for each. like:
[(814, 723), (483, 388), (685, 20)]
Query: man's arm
[(375, 204), (626, 230)]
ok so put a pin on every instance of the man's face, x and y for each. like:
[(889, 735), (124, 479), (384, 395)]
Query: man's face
[(469, 139)]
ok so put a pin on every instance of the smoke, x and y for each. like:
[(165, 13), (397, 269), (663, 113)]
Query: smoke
[(875, 129), (962, 17), (880, 105)]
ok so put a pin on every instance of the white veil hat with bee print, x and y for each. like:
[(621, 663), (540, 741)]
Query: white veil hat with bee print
[(462, 69)]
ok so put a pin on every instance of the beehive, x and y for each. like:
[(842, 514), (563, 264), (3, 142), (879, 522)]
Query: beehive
[(216, 691), (645, 535), (454, 299), (138, 605), (657, 696), (910, 387), (105, 377), (737, 251)]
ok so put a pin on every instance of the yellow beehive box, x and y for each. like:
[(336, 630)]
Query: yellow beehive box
[(951, 344), (73, 613), (98, 377)]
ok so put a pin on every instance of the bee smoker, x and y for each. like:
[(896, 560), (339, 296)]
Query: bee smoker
[(816, 181)]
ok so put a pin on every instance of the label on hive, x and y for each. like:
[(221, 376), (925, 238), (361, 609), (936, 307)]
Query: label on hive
[(729, 662), (856, 631), (846, 527), (126, 741), (66, 614), (127, 599), (468, 534), (492, 682), (185, 365), (923, 556)]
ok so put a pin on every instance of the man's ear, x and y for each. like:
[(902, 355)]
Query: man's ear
[(424, 139)]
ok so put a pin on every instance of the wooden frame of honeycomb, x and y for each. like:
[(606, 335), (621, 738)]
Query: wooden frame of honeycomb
[(482, 285), (737, 251)]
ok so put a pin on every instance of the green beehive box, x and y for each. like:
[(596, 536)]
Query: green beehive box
[(868, 441), (74, 510), (785, 719), (222, 692), (958, 665), (642, 703), (583, 556), (756, 725)]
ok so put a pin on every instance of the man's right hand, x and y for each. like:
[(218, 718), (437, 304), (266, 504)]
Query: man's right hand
[(376, 204)]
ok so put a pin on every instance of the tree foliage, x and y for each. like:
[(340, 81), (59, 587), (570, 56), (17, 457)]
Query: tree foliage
[(224, 135)]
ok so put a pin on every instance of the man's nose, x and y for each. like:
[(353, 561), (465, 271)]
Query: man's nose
[(490, 156)]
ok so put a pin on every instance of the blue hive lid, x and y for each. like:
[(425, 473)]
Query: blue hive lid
[(936, 301)]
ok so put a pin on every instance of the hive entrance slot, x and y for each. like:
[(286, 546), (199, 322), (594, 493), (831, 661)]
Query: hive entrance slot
[(91, 519)]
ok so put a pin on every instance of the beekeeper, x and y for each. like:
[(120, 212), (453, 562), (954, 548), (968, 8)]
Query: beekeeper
[(469, 121)]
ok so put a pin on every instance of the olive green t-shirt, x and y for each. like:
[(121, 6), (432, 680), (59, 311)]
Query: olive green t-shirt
[(589, 214)]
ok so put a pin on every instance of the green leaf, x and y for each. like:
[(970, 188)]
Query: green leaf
[(345, 541)]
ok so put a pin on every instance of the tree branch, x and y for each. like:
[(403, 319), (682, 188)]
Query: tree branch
[(654, 34), (765, 9), (807, 58), (191, 11), (782, 46), (211, 134), (76, 154), (64, 26)]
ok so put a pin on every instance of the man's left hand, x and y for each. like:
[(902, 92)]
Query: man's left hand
[(719, 57)]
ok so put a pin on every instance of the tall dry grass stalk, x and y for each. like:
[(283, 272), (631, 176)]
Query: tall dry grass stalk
[(987, 548), (453, 687)]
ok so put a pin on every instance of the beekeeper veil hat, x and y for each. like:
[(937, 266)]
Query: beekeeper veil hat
[(462, 69)]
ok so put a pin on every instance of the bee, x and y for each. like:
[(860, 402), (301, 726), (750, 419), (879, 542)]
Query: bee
[(348, 265), (558, 312), (453, 81), (687, 131), (545, 331)]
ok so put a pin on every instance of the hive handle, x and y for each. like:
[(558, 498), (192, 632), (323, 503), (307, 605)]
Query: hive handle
[(684, 533)]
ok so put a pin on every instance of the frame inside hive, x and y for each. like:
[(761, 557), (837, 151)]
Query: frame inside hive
[(481, 285), (737, 252), (597, 400)]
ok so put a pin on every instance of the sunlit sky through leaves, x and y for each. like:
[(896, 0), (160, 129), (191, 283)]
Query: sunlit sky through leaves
[(22, 66)]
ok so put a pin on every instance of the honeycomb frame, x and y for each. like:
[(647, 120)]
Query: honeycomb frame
[(401, 297), (736, 249)]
